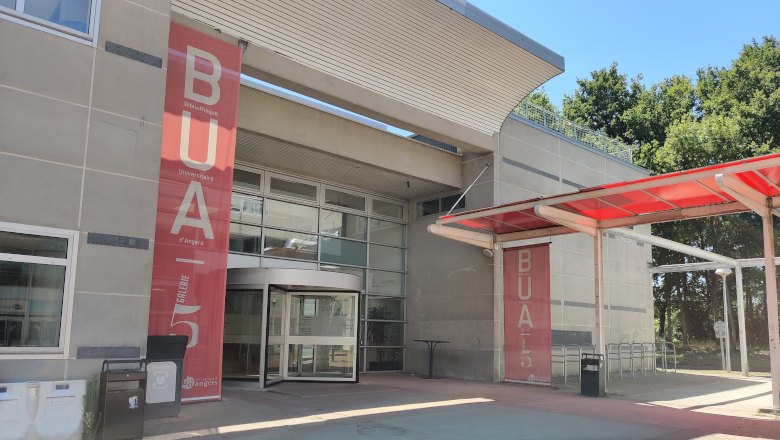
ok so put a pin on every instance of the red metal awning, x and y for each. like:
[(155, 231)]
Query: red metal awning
[(675, 196)]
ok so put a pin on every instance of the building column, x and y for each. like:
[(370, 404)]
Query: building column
[(598, 261), (771, 307)]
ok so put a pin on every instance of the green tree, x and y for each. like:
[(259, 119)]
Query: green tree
[(540, 98), (600, 100)]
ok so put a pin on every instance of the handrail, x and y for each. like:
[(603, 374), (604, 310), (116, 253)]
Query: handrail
[(592, 138)]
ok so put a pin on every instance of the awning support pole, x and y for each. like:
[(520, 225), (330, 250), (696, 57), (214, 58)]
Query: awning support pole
[(771, 307), (598, 257), (741, 318), (762, 205)]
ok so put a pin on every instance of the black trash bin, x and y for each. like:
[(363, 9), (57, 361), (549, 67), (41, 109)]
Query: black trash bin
[(164, 357), (121, 400), (594, 379)]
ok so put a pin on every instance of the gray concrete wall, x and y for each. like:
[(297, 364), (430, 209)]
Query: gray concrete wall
[(451, 292), (456, 294), (80, 139), (536, 163)]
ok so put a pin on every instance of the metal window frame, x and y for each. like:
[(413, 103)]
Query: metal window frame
[(270, 176), (69, 286), (18, 16), (403, 205)]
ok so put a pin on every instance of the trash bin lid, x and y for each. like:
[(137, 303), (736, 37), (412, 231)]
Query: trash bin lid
[(166, 347)]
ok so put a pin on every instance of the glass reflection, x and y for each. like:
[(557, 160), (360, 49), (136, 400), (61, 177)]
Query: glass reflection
[(30, 304), (383, 257), (244, 238), (242, 334), (340, 224), (321, 315), (335, 250), (321, 361), (290, 245), (387, 232), (73, 14), (290, 216)]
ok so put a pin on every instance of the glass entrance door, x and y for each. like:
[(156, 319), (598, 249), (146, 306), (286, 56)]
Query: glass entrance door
[(241, 348), (311, 336)]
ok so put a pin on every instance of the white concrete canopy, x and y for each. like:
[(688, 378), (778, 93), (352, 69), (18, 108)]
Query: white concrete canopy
[(443, 69)]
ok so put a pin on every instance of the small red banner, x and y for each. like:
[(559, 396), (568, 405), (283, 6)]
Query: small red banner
[(193, 205), (527, 329)]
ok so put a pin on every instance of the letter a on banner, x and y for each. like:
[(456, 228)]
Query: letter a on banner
[(527, 329), (193, 203)]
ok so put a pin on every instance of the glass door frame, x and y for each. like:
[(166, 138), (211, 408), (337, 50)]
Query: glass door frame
[(318, 340)]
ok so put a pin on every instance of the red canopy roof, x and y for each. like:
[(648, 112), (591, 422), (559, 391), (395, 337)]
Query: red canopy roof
[(674, 196)]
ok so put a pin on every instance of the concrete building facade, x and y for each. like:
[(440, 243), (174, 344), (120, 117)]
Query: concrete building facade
[(81, 113)]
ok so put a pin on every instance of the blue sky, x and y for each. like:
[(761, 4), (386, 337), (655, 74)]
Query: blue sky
[(657, 39)]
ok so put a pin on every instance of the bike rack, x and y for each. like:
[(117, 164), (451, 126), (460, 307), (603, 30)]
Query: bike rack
[(561, 356), (648, 349), (664, 350)]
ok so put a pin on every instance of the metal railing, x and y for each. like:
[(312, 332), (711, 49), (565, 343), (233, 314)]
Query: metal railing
[(566, 356), (642, 352), (592, 138)]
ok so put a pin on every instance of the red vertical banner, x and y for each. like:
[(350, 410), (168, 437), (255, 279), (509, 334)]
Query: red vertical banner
[(527, 329), (193, 204)]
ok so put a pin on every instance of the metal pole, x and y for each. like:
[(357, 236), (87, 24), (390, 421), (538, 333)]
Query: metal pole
[(722, 356), (743, 348), (467, 189), (771, 307), (726, 325), (598, 257)]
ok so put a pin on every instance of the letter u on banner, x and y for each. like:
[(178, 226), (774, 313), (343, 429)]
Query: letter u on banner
[(527, 328)]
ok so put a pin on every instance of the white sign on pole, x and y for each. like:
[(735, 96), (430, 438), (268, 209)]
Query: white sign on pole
[(720, 329)]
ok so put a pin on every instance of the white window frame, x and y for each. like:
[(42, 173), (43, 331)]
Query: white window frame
[(18, 16), (331, 207), (404, 210), (61, 351), (267, 189), (249, 191)]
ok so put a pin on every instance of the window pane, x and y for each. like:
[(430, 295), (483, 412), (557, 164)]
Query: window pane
[(383, 257), (10, 4), (290, 216), (330, 360), (345, 269), (343, 225), (338, 198), (246, 209), (387, 232), (449, 201), (385, 308), (290, 245), (276, 314), (32, 297), (384, 359), (36, 245), (319, 315), (69, 13), (244, 238), (293, 189), (335, 250), (387, 209), (385, 283), (430, 207), (245, 179), (385, 333)]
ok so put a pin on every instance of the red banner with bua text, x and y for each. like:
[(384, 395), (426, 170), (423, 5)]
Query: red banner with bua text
[(527, 329), (193, 204)]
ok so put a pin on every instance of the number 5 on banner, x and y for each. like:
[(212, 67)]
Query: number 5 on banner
[(525, 358), (186, 310)]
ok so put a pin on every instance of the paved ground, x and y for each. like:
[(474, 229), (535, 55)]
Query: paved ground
[(401, 406)]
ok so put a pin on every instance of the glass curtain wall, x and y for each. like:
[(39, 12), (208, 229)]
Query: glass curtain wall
[(276, 216)]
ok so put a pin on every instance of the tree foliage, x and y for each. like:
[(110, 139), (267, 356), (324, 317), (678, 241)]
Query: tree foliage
[(724, 114)]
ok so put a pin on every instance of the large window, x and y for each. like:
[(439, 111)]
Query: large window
[(70, 18), (287, 218), (35, 288)]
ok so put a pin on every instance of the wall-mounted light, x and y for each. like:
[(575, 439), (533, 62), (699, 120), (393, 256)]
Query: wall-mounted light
[(487, 252), (243, 44)]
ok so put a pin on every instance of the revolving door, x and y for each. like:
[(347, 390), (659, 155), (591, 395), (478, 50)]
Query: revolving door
[(290, 324)]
